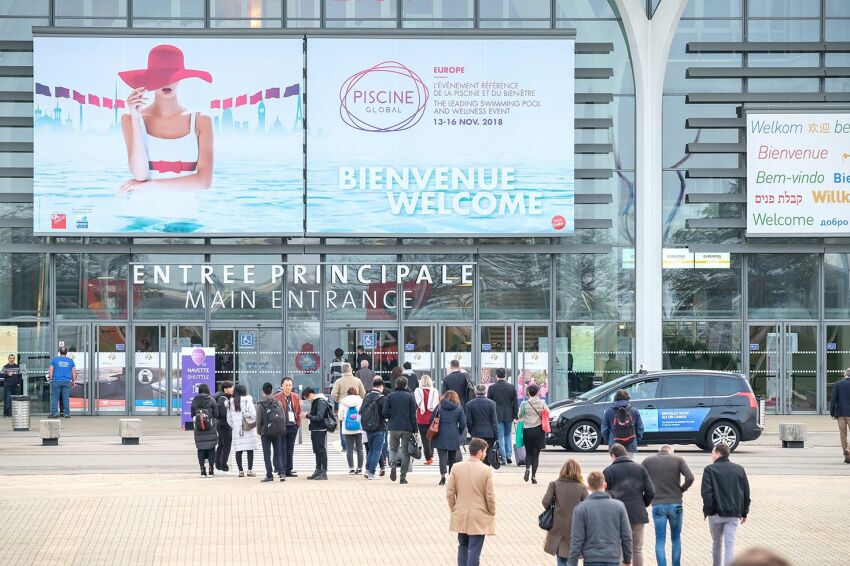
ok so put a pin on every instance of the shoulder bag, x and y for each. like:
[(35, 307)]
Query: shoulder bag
[(520, 426), (547, 518), (414, 449), (434, 428)]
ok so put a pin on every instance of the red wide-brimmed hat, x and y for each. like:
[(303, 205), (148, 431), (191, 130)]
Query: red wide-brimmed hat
[(165, 66)]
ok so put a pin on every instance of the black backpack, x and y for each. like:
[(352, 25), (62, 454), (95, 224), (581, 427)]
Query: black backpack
[(470, 392), (203, 419), (370, 413), (273, 422), (330, 418), (623, 425)]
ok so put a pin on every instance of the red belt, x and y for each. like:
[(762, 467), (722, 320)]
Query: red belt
[(172, 166)]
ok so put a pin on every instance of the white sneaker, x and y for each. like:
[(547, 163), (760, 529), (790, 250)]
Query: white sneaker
[(371, 477)]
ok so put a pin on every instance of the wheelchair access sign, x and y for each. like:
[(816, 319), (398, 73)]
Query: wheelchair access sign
[(247, 340)]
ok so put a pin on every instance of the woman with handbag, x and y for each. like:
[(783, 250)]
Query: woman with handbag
[(562, 496), (448, 423), (426, 398), (242, 418), (532, 413)]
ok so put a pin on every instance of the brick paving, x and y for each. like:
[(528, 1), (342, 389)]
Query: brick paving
[(180, 519)]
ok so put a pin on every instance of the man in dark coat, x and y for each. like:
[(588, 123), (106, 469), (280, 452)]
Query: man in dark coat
[(456, 381), (507, 408), (630, 483), (481, 417), (400, 412), (725, 501), (839, 409)]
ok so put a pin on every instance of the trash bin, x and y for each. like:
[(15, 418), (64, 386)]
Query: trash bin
[(20, 412)]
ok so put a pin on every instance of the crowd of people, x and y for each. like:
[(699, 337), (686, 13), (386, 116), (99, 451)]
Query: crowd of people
[(600, 520)]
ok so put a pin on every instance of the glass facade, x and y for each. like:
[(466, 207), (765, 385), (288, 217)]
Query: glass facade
[(559, 311)]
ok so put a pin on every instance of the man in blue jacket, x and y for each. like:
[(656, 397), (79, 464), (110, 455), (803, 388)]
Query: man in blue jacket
[(400, 412), (622, 424), (481, 418), (839, 409)]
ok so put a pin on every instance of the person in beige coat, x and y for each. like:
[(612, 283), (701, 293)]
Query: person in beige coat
[(472, 503), (566, 492), (340, 389)]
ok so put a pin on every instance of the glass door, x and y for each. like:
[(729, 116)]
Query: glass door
[(497, 351), (182, 336), (150, 370), (99, 352), (420, 348), (76, 338), (455, 344), (532, 358), (837, 356), (375, 346), (783, 366)]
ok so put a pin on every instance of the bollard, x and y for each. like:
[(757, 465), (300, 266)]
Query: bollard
[(20, 412), (50, 431), (792, 435), (130, 430)]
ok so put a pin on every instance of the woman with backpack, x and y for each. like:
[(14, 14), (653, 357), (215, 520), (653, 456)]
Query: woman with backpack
[(622, 424), (531, 412), (450, 420), (565, 493), (349, 417), (427, 398), (242, 418), (204, 413)]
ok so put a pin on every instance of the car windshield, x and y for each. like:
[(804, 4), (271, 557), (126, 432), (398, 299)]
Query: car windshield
[(604, 387)]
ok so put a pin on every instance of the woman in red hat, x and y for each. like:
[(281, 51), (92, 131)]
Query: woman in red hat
[(168, 147)]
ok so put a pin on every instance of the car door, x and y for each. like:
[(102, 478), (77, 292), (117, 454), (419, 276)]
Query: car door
[(643, 395), (683, 407)]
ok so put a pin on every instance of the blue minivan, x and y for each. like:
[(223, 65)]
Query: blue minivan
[(698, 407)]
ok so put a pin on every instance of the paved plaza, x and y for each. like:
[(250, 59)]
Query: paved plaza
[(91, 501)]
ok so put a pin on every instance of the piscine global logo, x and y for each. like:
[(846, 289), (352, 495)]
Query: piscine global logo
[(388, 97), (58, 221)]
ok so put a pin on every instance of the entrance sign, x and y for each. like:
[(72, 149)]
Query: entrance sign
[(798, 174), (197, 366), (440, 136), (230, 163)]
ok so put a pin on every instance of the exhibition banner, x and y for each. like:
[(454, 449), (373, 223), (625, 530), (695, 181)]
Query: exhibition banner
[(798, 174), (168, 135), (673, 420), (197, 366), (416, 136)]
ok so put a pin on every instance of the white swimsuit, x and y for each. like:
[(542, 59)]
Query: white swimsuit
[(168, 159)]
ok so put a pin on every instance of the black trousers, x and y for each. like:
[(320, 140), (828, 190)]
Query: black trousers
[(273, 448), (320, 448), (250, 459), (222, 451), (289, 446), (206, 454), (447, 460), (426, 444)]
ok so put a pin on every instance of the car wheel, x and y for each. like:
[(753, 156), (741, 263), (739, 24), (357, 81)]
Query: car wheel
[(583, 437), (723, 432)]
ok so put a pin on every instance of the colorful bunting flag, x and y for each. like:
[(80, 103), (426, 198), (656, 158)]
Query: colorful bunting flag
[(79, 97), (273, 92), (292, 90), (62, 92), (215, 103), (94, 100), (107, 102), (227, 103), (119, 103), (256, 97), (242, 100), (41, 89)]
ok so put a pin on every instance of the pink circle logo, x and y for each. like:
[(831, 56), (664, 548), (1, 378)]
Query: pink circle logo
[(559, 222), (388, 97)]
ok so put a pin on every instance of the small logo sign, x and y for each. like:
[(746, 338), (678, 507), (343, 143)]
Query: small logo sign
[(486, 347), (754, 347), (831, 346), (58, 221), (119, 347), (247, 340), (82, 223), (145, 376), (559, 222), (409, 347), (369, 340)]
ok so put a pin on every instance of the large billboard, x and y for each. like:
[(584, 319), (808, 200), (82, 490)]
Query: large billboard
[(416, 136), (168, 136), (798, 174)]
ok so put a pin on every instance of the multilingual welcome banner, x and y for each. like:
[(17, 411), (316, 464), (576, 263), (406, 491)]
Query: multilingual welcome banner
[(798, 174)]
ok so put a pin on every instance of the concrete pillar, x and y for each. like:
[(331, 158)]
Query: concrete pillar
[(649, 44)]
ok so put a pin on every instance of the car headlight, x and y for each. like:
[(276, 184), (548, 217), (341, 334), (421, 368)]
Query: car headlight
[(554, 414)]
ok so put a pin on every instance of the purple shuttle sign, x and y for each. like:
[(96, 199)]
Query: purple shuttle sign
[(197, 367)]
